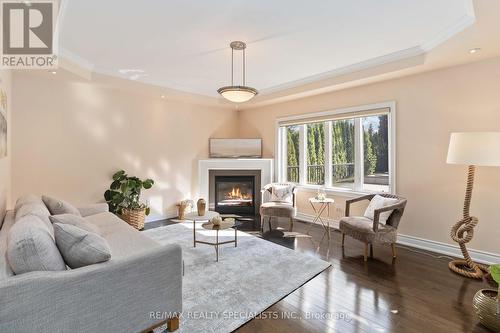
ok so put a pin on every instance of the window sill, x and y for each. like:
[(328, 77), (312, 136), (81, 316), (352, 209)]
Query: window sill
[(337, 191)]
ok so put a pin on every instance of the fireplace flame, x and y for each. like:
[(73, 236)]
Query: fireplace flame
[(235, 193)]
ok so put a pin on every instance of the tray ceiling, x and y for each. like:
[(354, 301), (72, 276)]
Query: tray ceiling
[(184, 44)]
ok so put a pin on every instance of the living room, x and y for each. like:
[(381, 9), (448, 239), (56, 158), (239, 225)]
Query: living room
[(264, 167)]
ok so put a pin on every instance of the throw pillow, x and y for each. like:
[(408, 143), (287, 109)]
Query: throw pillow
[(281, 192), (377, 202), (75, 220), (30, 247), (79, 247), (57, 206)]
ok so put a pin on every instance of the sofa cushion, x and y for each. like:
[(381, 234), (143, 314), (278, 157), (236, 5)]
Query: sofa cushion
[(34, 206), (75, 220), (5, 270), (28, 198), (57, 206), (30, 247), (123, 239), (377, 202), (80, 247)]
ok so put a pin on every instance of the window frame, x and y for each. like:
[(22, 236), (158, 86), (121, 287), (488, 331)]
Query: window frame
[(281, 148)]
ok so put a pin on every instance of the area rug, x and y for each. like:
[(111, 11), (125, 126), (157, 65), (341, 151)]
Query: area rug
[(222, 296)]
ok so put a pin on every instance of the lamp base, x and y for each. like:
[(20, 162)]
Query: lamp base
[(463, 268)]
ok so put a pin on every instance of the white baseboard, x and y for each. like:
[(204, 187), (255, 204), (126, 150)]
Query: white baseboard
[(425, 244), (309, 218), (448, 249), (157, 217)]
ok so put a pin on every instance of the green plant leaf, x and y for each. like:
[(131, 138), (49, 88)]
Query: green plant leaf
[(148, 210), (119, 174), (148, 183), (495, 273), (115, 185)]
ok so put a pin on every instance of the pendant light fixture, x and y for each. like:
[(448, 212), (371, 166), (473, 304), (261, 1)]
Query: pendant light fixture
[(237, 94)]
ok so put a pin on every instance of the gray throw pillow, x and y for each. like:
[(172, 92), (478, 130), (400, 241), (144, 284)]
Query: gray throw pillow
[(57, 206), (30, 247), (79, 247), (75, 220)]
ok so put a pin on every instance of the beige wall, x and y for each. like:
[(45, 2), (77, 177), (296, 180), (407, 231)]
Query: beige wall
[(71, 134), (429, 107), (5, 163)]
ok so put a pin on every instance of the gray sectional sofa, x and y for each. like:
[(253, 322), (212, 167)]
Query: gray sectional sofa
[(139, 288)]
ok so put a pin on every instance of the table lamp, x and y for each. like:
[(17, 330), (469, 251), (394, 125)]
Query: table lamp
[(472, 149)]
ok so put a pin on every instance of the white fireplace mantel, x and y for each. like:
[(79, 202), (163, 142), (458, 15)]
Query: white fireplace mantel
[(265, 165)]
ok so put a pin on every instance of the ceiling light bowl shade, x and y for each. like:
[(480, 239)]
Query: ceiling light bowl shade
[(237, 94), (474, 148)]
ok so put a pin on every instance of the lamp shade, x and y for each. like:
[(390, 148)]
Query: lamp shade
[(474, 148)]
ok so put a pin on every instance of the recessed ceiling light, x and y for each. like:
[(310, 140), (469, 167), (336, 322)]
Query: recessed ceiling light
[(162, 96), (474, 50), (53, 72)]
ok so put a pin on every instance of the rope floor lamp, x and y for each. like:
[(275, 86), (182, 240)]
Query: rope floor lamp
[(470, 148)]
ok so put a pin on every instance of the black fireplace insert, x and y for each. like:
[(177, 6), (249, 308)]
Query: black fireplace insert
[(235, 195)]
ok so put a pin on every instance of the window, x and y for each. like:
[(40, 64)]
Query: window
[(292, 153), (350, 149), (343, 153), (315, 153)]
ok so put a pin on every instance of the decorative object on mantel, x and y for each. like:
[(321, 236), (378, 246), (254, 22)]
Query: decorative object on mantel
[(201, 205), (123, 198), (237, 94), (183, 206), (487, 302), (470, 148), (235, 148)]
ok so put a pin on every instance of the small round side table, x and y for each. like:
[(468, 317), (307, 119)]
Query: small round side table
[(319, 207)]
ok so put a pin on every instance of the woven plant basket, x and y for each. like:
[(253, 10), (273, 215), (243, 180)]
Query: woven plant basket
[(134, 217)]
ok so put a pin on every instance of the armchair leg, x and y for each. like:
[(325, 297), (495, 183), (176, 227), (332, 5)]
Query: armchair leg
[(371, 250), (269, 222), (366, 252), (262, 224), (343, 239), (393, 246), (291, 223)]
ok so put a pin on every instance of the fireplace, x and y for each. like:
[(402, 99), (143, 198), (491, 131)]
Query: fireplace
[(235, 191), (235, 195)]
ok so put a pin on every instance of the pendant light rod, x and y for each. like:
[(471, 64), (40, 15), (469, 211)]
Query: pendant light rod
[(232, 66)]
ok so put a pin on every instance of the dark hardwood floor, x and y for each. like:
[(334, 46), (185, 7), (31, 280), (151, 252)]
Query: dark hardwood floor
[(413, 293)]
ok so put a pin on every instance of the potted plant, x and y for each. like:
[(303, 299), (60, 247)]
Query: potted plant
[(123, 198), (487, 302)]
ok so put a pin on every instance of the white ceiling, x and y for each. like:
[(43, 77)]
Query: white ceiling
[(184, 44)]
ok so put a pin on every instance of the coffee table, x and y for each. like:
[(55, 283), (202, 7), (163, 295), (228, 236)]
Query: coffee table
[(223, 226), (193, 216)]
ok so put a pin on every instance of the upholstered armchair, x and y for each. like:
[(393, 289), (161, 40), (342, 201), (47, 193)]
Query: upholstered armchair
[(371, 231), (283, 204)]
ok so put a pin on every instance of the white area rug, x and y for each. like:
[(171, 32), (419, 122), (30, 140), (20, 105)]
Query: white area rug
[(222, 296)]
